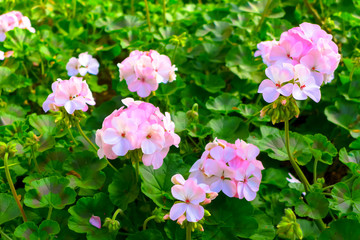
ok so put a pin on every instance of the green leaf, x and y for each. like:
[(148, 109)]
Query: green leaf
[(322, 149), (223, 103), (275, 177), (309, 229), (149, 234), (351, 159), (274, 145), (229, 128), (346, 115), (344, 200), (123, 189), (99, 205), (88, 166), (317, 206), (266, 229), (30, 231), (291, 197), (157, 183), (230, 218), (341, 229), (45, 124), (50, 192), (8, 208)]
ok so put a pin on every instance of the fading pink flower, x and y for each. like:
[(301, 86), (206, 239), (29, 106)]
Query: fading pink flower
[(95, 221)]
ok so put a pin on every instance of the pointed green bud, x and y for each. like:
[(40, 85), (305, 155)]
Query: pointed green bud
[(288, 228), (112, 225)]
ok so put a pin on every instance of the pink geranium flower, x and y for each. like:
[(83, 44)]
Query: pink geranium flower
[(279, 75), (248, 182), (73, 94), (82, 65), (11, 20), (305, 85), (191, 195)]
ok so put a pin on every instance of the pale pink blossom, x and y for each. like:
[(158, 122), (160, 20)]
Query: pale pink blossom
[(248, 182), (11, 20), (143, 71), (73, 94), (82, 65), (190, 195), (305, 85), (279, 76)]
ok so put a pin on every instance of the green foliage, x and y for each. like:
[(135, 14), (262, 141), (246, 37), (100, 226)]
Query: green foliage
[(8, 208), (29, 230)]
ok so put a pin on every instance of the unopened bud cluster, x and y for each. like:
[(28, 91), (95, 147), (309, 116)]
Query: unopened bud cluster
[(288, 228), (9, 148), (283, 108)]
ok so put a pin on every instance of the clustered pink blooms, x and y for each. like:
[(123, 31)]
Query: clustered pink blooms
[(11, 20), (73, 94), (143, 71), (191, 196), (231, 168), (82, 65), (298, 64), (139, 126)]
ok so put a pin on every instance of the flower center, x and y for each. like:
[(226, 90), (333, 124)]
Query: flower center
[(313, 68), (301, 87), (72, 97), (222, 177), (278, 85), (187, 201), (148, 136), (123, 134)]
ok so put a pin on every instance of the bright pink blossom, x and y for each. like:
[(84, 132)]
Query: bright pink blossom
[(143, 71), (248, 182)]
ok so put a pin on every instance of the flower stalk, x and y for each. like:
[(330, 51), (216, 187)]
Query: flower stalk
[(11, 184), (147, 220)]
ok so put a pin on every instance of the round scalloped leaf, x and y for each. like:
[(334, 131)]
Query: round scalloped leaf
[(351, 159), (157, 183), (88, 168), (50, 192), (45, 124), (223, 103), (230, 218), (123, 189), (344, 200), (273, 143), (346, 115), (8, 208), (322, 149), (229, 128), (317, 206), (86, 207), (342, 229), (30, 231)]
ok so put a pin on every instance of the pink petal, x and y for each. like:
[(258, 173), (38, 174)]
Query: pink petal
[(179, 192), (177, 210), (248, 193), (298, 94), (194, 212), (122, 147), (111, 136), (229, 188), (286, 90), (148, 146), (95, 221)]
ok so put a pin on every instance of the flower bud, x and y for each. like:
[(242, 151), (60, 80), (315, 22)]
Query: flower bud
[(181, 219), (112, 225), (178, 179), (288, 227)]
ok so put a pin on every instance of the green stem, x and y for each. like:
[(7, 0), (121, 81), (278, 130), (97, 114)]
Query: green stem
[(263, 16), (10, 165), (173, 57), (34, 159), (74, 8), (292, 161), (188, 232), (320, 224), (147, 220), (92, 144), (49, 213), (132, 7), (137, 171), (147, 14), (119, 210), (164, 12), (315, 170), (13, 191), (313, 11), (71, 135), (5, 235), (347, 180), (25, 68)]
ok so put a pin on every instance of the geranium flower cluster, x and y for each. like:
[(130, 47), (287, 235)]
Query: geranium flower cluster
[(302, 60), (82, 65), (231, 168), (143, 71), (73, 94), (139, 126), (191, 196), (11, 20)]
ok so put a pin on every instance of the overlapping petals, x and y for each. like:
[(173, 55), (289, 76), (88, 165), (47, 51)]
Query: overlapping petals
[(73, 94), (230, 168), (82, 65), (313, 57), (143, 71), (139, 126), (11, 20)]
